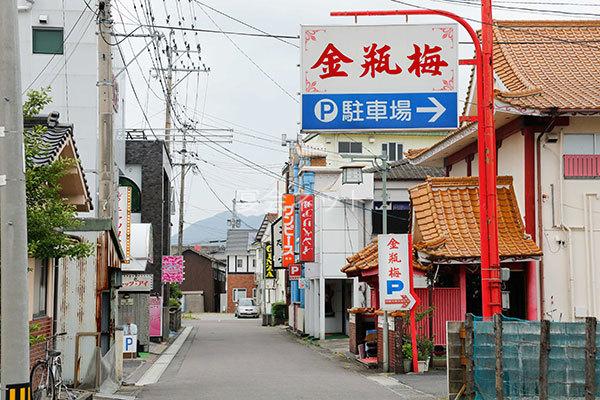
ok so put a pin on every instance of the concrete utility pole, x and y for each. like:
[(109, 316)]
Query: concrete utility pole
[(14, 326), (106, 161), (182, 197), (169, 84)]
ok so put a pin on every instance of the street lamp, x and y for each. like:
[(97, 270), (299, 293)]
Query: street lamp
[(353, 174)]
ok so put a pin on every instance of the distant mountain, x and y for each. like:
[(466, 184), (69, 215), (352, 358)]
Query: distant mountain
[(214, 228)]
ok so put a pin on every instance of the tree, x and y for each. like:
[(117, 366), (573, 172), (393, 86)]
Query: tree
[(48, 214)]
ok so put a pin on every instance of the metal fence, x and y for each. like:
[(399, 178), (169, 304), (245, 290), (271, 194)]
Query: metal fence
[(515, 359)]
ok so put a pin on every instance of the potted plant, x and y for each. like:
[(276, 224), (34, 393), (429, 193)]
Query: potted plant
[(424, 350)]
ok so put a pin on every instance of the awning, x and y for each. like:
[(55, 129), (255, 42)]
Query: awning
[(446, 215)]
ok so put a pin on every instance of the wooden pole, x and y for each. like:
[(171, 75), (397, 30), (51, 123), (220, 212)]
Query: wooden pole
[(499, 372), (590, 358), (398, 342), (470, 370), (544, 358)]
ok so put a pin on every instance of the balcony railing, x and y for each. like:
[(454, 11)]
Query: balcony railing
[(582, 166)]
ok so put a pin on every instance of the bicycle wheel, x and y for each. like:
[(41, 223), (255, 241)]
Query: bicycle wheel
[(57, 375), (42, 382)]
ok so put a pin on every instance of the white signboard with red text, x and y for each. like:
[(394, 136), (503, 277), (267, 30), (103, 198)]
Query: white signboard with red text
[(307, 227), (382, 77), (395, 292), (137, 282), (124, 222)]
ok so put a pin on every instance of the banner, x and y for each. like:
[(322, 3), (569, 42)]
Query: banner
[(307, 228), (137, 282), (155, 306), (269, 270), (394, 273), (124, 221), (288, 257), (172, 269)]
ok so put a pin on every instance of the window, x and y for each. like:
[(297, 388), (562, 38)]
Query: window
[(350, 147), (247, 302), (253, 293), (239, 264), (398, 217), (581, 156), (238, 294), (40, 282), (136, 194), (394, 151), (47, 40)]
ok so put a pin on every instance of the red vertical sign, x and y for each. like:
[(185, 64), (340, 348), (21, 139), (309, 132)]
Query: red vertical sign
[(307, 227), (288, 230)]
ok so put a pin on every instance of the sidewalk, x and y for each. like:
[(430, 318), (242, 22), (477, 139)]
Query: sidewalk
[(429, 385)]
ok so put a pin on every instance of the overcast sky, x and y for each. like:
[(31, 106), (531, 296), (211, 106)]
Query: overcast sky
[(237, 94)]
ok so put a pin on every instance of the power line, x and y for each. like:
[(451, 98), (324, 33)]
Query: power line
[(250, 59), (203, 30), (500, 26), (278, 37)]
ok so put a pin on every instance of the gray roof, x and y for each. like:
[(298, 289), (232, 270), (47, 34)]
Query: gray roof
[(54, 140), (239, 240), (403, 170)]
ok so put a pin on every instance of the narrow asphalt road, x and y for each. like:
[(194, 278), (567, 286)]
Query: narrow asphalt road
[(225, 358)]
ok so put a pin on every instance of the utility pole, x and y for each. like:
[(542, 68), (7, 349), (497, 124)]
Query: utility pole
[(105, 107), (14, 326), (182, 197), (169, 84), (384, 199)]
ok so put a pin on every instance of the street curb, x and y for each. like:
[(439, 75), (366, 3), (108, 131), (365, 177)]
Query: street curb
[(153, 374)]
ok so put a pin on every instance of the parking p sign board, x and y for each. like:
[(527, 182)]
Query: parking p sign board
[(384, 77), (394, 273)]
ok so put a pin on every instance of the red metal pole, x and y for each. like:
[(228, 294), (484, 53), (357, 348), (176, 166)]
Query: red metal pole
[(413, 321), (491, 295), (487, 37)]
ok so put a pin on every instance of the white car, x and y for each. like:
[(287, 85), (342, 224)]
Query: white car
[(246, 308)]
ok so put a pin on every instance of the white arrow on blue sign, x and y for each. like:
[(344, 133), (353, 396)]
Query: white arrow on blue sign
[(383, 111)]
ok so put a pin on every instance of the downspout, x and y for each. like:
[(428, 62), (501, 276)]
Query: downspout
[(590, 256), (538, 146)]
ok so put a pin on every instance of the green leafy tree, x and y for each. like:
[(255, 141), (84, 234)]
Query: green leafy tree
[(48, 214)]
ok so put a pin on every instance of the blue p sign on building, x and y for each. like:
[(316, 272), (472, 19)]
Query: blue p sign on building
[(129, 343)]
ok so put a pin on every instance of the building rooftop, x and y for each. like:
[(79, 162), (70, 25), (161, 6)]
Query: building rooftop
[(239, 240), (548, 65), (446, 214), (403, 170)]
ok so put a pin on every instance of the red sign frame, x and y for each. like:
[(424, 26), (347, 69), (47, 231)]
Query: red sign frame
[(288, 237), (307, 228)]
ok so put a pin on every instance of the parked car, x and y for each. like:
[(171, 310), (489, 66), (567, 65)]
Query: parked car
[(246, 308)]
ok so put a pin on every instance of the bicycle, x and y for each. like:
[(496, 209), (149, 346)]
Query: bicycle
[(46, 375)]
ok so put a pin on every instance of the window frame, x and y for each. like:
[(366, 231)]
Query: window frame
[(40, 29), (40, 289), (235, 291), (351, 147)]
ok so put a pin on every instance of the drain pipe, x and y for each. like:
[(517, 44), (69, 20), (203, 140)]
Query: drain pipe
[(540, 235), (590, 256)]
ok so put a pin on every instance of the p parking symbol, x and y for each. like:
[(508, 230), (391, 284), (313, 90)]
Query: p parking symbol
[(326, 110)]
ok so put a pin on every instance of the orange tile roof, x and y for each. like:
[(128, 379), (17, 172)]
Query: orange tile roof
[(367, 259), (548, 64), (446, 212)]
